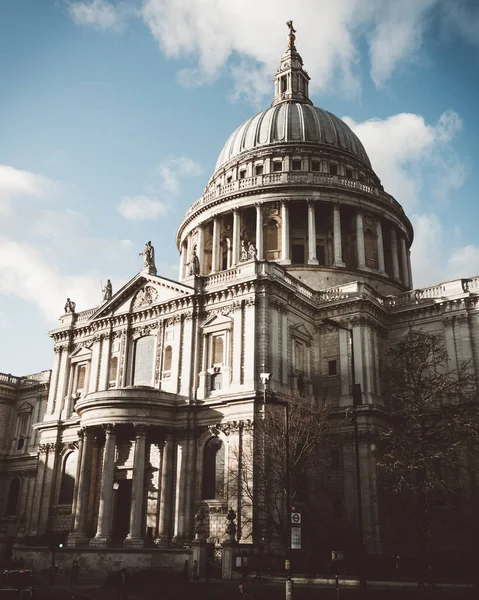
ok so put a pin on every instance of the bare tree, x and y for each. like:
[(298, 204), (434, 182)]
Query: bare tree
[(433, 425), (263, 477)]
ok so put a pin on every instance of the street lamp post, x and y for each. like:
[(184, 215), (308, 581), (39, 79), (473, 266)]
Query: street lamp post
[(356, 398), (264, 379)]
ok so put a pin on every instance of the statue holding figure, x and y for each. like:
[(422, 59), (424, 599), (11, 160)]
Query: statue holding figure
[(107, 291), (148, 257), (69, 306), (194, 264), (252, 252)]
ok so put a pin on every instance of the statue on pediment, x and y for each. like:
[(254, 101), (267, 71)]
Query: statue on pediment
[(69, 306), (107, 291), (148, 257)]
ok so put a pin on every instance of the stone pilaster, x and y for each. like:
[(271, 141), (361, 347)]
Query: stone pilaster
[(180, 498), (135, 538), (104, 382), (312, 258), (338, 245), (259, 231), (285, 256), (54, 380), (95, 365), (38, 497), (105, 509)]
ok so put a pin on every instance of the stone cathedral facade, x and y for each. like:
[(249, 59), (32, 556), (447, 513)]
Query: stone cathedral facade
[(153, 393)]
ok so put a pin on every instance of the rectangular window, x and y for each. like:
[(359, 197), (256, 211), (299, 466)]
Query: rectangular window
[(277, 166), (349, 173), (81, 377), (315, 165), (258, 170), (228, 179), (297, 165), (333, 169), (242, 174), (332, 368), (335, 458), (143, 360), (218, 350)]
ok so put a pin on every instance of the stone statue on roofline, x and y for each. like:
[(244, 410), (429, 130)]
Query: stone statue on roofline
[(107, 291), (149, 258), (69, 306)]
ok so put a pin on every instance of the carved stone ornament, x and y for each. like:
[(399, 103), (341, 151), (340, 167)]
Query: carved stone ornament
[(145, 297), (230, 524)]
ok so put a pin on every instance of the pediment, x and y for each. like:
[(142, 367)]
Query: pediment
[(301, 331), (26, 407), (141, 292), (217, 321), (82, 352)]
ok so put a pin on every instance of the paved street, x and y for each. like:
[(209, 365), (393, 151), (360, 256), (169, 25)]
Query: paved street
[(160, 589)]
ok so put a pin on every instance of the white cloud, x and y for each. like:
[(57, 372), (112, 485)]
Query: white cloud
[(97, 13), (26, 274), (464, 262), (16, 184), (396, 36), (140, 208), (156, 200), (172, 171), (404, 150)]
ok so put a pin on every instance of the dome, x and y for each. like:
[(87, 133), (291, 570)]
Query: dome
[(292, 122)]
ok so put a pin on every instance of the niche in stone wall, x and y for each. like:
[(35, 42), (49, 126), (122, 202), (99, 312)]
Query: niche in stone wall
[(370, 242), (68, 478), (213, 469)]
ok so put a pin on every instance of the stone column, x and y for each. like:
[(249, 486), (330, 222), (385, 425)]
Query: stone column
[(37, 498), (411, 284), (95, 365), (182, 262), (379, 237), (394, 254), (105, 362), (200, 250), (312, 258), (405, 271), (360, 240), (63, 379), (166, 492), (54, 380), (134, 538), (285, 258), (79, 536), (338, 248), (216, 246), (81, 435), (105, 509), (236, 237), (259, 231)]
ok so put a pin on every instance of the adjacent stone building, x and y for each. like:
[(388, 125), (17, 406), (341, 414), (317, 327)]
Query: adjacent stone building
[(154, 392)]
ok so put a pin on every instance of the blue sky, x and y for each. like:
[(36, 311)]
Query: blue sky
[(112, 115)]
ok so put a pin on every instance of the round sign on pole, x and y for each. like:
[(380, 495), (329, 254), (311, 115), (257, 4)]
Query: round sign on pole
[(296, 518)]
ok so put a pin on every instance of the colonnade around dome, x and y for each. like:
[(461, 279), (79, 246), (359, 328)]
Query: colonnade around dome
[(298, 232)]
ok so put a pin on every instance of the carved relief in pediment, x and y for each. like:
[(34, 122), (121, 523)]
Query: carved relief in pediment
[(145, 297)]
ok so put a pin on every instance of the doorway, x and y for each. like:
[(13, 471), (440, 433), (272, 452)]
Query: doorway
[(121, 515)]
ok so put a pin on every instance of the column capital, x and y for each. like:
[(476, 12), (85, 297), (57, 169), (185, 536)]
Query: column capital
[(140, 430), (109, 428), (258, 204)]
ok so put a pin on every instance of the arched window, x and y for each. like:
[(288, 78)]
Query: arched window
[(81, 376), (225, 254), (143, 360), (213, 469), (370, 249), (168, 359), (271, 240), (113, 371), (13, 494), (68, 478)]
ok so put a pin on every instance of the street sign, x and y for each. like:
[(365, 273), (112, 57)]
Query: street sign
[(296, 518), (295, 538)]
